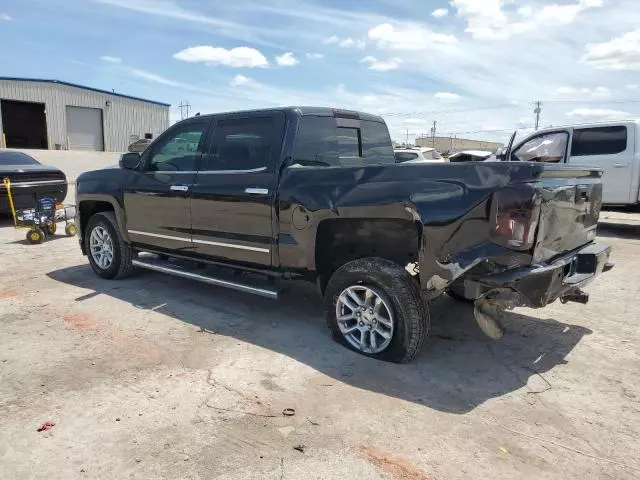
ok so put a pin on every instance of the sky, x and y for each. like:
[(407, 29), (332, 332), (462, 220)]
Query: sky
[(476, 67)]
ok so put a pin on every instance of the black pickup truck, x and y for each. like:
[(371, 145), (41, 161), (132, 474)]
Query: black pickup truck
[(315, 194)]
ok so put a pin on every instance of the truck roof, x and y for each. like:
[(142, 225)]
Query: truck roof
[(308, 110), (607, 123)]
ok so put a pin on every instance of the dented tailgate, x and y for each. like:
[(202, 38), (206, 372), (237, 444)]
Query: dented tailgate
[(571, 202)]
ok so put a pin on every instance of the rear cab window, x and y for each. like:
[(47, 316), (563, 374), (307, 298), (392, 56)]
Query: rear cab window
[(329, 142), (599, 141)]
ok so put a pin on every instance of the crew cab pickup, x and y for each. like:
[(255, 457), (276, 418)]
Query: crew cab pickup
[(315, 194)]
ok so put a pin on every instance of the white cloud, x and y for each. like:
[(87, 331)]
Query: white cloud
[(382, 65), (351, 43), (487, 19), (447, 97), (316, 56), (440, 12), (110, 59), (595, 113), (347, 42), (601, 92), (596, 92), (242, 81), (238, 57), (152, 77), (619, 53), (526, 11), (227, 28), (632, 86), (567, 90), (488, 74), (408, 36), (287, 60), (414, 121), (4, 16)]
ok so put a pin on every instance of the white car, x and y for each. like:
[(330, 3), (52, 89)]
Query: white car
[(417, 155)]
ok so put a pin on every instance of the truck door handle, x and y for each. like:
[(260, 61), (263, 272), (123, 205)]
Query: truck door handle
[(620, 165), (179, 188), (256, 191)]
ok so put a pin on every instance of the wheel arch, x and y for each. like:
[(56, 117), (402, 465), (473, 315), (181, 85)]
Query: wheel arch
[(341, 240), (91, 204)]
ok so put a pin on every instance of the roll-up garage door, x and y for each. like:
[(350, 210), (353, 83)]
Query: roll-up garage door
[(84, 128)]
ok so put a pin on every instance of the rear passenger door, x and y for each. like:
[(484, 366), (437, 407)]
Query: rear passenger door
[(612, 149), (233, 195)]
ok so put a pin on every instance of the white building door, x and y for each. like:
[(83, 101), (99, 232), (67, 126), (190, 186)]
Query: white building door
[(84, 128)]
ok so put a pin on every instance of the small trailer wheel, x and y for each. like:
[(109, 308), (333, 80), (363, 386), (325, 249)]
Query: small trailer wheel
[(70, 230), (35, 235), (51, 228)]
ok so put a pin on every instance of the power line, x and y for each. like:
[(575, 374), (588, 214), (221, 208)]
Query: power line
[(184, 106), (509, 105)]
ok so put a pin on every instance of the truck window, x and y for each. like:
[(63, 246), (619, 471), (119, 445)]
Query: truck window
[(241, 144), (316, 144), (548, 147), (599, 141), (349, 142), (377, 144), (321, 143), (179, 151)]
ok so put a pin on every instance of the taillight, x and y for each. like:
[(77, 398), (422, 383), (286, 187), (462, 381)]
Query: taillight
[(514, 217)]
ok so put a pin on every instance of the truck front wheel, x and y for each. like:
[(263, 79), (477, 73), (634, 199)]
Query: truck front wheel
[(375, 308), (109, 256)]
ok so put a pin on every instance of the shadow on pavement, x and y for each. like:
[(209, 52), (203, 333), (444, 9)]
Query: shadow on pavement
[(459, 370), (618, 230)]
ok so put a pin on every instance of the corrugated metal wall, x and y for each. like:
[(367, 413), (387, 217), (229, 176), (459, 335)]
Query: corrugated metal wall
[(122, 119)]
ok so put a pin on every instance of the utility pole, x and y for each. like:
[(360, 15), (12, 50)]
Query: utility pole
[(433, 134), (184, 106), (537, 111), (407, 140)]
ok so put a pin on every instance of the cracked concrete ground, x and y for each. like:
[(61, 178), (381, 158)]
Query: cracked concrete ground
[(157, 377)]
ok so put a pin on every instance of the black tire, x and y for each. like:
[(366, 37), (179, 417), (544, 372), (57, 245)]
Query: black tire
[(121, 265), (35, 235), (51, 229), (411, 313)]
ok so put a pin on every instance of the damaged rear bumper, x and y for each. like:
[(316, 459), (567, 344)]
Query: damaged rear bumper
[(539, 285)]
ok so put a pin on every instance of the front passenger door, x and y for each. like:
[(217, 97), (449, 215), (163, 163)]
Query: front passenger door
[(158, 201)]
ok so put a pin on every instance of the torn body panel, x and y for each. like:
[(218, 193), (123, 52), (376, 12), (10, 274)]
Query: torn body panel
[(488, 217)]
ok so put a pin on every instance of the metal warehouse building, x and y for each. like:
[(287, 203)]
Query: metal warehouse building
[(49, 114)]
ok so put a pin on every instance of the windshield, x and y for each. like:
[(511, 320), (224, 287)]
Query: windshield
[(16, 158)]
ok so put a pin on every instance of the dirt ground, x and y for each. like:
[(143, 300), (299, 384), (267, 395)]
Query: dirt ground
[(158, 377)]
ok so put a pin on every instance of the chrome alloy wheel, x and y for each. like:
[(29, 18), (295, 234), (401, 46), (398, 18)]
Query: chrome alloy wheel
[(365, 318), (101, 247)]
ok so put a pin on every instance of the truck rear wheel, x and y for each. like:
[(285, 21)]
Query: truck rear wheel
[(375, 308), (109, 256)]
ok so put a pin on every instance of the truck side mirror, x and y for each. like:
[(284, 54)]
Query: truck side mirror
[(500, 154), (130, 160)]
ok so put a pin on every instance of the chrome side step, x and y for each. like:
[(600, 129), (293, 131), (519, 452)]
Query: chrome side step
[(179, 270)]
